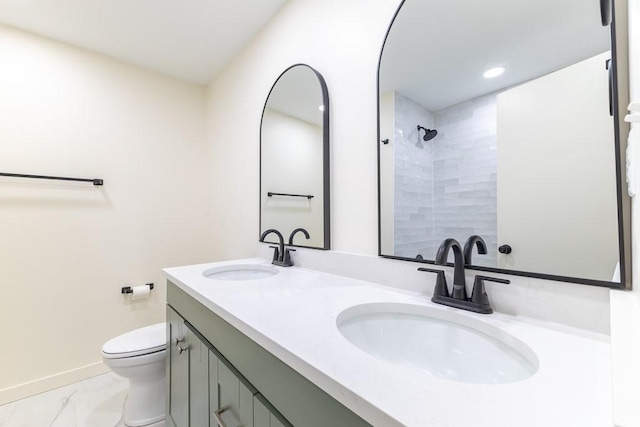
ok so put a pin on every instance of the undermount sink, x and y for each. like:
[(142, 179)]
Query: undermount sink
[(240, 272), (440, 342)]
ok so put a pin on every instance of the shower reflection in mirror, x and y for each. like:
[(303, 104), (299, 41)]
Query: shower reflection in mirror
[(507, 135)]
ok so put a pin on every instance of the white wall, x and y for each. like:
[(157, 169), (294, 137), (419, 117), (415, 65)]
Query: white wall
[(625, 308), (66, 249), (634, 96), (342, 40), (292, 163)]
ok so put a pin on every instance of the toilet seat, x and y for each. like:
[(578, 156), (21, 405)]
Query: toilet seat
[(139, 342)]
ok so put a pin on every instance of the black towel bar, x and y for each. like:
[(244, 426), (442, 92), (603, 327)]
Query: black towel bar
[(58, 178), (308, 196)]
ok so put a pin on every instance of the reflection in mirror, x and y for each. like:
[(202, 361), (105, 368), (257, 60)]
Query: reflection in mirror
[(294, 158), (494, 121)]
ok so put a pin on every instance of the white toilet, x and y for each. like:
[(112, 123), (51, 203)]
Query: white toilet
[(139, 356)]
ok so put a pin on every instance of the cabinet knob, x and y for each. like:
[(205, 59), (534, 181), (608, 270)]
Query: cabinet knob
[(182, 349), (178, 341)]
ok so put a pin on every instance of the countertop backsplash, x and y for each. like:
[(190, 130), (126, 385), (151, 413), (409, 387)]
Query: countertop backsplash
[(569, 304)]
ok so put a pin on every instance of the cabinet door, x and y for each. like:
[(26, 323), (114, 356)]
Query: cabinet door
[(214, 401), (235, 397), (177, 370), (265, 415), (198, 379)]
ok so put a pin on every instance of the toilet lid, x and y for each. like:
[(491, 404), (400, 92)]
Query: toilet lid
[(149, 339)]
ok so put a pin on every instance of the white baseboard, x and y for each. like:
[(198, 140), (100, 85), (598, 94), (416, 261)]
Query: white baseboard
[(50, 382)]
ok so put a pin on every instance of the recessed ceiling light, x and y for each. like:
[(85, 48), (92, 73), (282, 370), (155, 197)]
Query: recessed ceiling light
[(321, 108), (493, 72)]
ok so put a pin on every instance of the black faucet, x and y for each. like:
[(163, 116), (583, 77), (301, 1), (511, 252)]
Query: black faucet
[(293, 233), (287, 252), (279, 252), (468, 248), (459, 289), (479, 302)]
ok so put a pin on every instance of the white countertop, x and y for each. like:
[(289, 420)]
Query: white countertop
[(293, 316)]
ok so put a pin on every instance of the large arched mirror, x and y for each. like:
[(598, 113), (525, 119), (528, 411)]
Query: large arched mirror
[(294, 158), (495, 121)]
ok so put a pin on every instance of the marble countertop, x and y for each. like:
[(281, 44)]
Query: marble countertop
[(293, 315)]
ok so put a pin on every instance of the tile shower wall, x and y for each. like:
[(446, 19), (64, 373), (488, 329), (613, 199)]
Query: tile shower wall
[(413, 180), (445, 187), (465, 165)]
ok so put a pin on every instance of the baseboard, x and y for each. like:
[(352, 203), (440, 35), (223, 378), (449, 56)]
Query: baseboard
[(40, 385)]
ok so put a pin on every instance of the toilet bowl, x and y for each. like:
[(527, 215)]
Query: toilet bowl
[(139, 356)]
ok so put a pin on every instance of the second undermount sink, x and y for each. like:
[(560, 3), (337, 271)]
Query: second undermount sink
[(240, 272), (441, 342)]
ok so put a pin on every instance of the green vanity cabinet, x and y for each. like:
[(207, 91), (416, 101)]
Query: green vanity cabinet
[(188, 374), (199, 374), (204, 389), (242, 384), (177, 371), (214, 392), (265, 415), (235, 396)]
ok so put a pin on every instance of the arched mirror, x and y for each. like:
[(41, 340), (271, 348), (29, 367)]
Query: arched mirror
[(294, 158), (497, 120)]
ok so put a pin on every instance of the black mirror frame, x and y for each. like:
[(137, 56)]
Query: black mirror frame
[(619, 66), (326, 190)]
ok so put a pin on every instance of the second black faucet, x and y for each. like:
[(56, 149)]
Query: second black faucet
[(282, 255), (478, 302)]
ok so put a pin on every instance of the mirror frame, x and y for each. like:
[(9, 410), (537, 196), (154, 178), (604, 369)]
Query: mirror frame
[(620, 94), (326, 193)]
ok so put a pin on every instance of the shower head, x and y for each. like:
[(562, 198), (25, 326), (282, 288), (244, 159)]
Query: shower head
[(429, 134)]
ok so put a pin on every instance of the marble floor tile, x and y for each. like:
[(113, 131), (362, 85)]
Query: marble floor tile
[(96, 402)]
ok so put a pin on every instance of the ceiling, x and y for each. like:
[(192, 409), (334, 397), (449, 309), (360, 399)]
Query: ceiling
[(191, 40), (436, 51)]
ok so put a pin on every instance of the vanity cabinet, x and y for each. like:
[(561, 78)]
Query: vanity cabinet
[(204, 389), (199, 374), (187, 374), (265, 415), (177, 371), (241, 383), (235, 396)]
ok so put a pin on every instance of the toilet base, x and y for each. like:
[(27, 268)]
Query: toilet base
[(145, 404)]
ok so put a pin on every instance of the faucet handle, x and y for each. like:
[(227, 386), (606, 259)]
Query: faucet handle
[(276, 253), (441, 282), (479, 294), (287, 257)]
